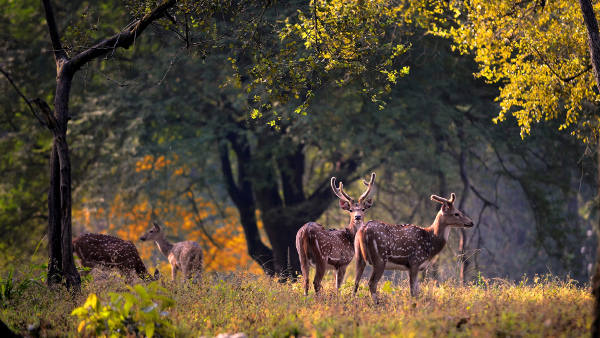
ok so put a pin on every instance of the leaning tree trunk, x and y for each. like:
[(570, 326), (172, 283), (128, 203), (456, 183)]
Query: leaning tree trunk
[(591, 23)]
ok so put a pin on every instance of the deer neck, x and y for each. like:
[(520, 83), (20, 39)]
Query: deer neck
[(440, 232), (353, 226), (164, 245)]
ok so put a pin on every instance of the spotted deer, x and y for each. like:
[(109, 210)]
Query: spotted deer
[(185, 256), (404, 247), (112, 252), (332, 249)]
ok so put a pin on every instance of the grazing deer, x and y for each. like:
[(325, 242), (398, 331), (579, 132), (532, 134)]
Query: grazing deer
[(404, 247), (332, 249), (185, 256), (105, 250)]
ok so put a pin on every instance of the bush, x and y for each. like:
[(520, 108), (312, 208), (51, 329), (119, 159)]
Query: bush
[(127, 313)]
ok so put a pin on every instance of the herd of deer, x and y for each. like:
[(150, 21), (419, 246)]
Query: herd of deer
[(385, 246)]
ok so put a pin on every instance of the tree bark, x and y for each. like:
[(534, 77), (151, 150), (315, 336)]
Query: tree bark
[(257, 188), (54, 222), (465, 193), (591, 23)]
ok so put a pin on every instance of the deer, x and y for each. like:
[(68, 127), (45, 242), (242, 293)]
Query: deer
[(332, 249), (185, 256), (110, 251), (405, 247)]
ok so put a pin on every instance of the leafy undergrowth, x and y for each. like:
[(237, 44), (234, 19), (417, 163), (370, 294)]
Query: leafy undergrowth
[(261, 306)]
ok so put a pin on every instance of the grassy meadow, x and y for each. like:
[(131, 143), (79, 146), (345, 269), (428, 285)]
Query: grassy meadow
[(261, 306)]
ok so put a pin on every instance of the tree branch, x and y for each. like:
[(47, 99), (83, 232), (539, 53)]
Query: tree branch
[(48, 116), (123, 40), (28, 101), (59, 53)]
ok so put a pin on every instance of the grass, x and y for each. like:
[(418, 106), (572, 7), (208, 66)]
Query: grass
[(261, 306)]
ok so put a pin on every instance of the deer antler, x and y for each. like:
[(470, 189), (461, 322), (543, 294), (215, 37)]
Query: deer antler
[(369, 185), (339, 192), (443, 200)]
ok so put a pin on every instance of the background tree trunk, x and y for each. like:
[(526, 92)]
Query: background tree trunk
[(591, 23)]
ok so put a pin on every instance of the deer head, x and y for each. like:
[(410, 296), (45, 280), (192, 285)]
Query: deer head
[(451, 216), (153, 234), (357, 210)]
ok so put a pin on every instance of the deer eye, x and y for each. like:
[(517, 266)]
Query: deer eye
[(363, 209), (151, 231), (456, 214)]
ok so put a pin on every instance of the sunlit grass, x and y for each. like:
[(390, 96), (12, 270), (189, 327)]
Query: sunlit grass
[(261, 306)]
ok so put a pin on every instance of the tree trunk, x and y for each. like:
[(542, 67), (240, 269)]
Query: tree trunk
[(62, 264), (591, 23), (54, 222), (465, 193)]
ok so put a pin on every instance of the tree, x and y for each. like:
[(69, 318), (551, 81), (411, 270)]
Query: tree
[(61, 263), (538, 51)]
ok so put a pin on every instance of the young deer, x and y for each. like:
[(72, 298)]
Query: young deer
[(404, 247), (332, 249), (186, 256), (109, 251)]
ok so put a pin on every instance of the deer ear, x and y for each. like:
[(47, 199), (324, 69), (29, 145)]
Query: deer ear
[(156, 225), (344, 205), (446, 207), (368, 203)]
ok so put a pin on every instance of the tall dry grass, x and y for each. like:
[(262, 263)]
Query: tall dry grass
[(262, 306)]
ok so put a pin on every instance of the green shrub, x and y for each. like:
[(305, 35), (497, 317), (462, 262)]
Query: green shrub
[(127, 313)]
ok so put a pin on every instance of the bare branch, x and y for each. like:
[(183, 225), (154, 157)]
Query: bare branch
[(485, 201), (28, 101), (59, 53), (123, 39), (48, 115)]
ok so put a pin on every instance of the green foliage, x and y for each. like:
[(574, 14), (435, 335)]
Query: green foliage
[(128, 313), (537, 52), (9, 290)]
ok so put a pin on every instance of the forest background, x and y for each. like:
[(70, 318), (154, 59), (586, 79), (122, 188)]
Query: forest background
[(164, 133)]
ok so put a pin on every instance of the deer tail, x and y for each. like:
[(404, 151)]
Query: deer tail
[(302, 244), (360, 247)]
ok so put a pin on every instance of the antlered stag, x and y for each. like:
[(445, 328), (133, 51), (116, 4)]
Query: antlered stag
[(109, 251), (332, 249), (405, 247), (185, 256)]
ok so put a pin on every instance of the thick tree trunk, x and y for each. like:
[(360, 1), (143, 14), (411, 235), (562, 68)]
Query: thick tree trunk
[(591, 23)]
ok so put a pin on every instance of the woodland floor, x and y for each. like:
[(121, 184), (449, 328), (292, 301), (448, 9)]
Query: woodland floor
[(260, 306)]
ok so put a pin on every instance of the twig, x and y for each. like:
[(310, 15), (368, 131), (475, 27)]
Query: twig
[(28, 101)]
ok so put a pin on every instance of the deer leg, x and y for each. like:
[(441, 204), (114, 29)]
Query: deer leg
[(305, 273), (173, 271), (339, 277), (414, 280), (360, 268), (319, 274), (378, 270)]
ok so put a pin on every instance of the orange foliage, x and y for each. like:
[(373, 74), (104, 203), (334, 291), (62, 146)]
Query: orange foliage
[(225, 252)]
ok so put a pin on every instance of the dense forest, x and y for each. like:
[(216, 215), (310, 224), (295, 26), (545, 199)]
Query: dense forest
[(228, 123), (169, 130)]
